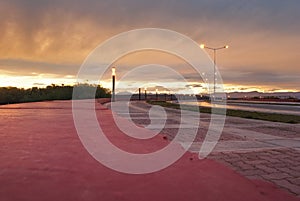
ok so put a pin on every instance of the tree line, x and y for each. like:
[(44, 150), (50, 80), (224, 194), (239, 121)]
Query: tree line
[(54, 92)]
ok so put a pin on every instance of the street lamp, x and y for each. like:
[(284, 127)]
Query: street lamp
[(139, 94), (202, 46), (156, 90), (113, 74), (145, 93)]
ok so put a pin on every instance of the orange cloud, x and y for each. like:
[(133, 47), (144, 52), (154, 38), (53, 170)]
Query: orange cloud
[(54, 37)]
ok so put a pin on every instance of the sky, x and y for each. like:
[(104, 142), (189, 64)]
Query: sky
[(46, 42)]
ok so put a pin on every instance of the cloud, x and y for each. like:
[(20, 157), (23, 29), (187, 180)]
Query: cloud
[(55, 37), (28, 67), (38, 84), (270, 79), (194, 85)]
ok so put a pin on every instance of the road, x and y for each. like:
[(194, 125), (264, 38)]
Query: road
[(292, 109)]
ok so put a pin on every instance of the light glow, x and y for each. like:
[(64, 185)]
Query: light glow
[(113, 71)]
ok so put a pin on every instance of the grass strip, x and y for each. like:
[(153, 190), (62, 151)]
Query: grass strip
[(274, 117)]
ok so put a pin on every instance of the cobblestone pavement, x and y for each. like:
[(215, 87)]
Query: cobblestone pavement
[(256, 149)]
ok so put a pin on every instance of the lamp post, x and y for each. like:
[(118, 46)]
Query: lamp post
[(156, 90), (113, 74), (202, 46), (139, 94), (145, 93)]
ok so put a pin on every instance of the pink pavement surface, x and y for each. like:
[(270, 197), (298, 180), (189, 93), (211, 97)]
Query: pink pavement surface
[(42, 158)]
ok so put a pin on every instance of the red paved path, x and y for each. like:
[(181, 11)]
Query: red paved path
[(42, 159)]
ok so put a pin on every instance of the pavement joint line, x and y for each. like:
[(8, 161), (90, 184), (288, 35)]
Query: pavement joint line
[(233, 146), (174, 126), (297, 149), (248, 150), (130, 113), (290, 140), (250, 134)]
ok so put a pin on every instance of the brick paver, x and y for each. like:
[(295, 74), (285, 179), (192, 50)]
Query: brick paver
[(273, 168)]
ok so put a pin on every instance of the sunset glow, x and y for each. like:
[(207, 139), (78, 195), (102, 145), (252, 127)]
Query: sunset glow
[(45, 42)]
